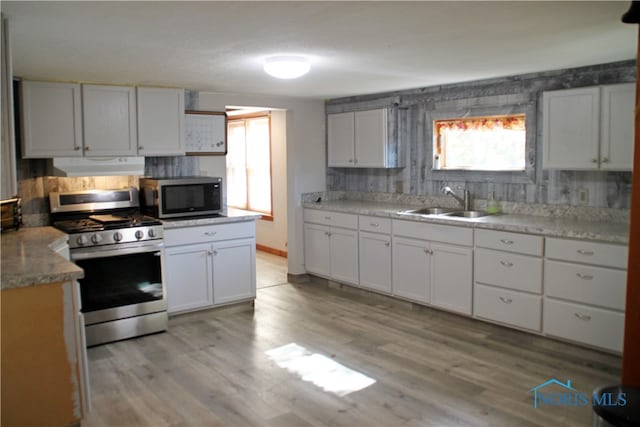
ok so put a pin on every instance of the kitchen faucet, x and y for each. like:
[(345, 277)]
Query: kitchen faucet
[(465, 201)]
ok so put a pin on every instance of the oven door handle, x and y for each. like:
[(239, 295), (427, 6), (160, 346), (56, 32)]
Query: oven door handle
[(100, 252)]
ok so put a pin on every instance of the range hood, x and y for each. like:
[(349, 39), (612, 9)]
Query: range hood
[(96, 166)]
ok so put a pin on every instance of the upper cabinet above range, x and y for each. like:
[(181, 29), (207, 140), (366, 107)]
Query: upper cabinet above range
[(73, 120), (589, 128), (161, 121), (364, 139)]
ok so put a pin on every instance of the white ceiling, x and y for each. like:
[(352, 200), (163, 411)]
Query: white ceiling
[(354, 47)]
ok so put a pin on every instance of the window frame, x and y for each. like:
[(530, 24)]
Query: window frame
[(242, 117), (527, 176)]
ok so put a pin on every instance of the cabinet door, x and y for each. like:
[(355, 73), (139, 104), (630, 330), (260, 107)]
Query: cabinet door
[(109, 121), (340, 140), (316, 249), (375, 261), (188, 273), (51, 120), (371, 138), (616, 141), (234, 266), (343, 254), (160, 121), (571, 129), (411, 269), (451, 277)]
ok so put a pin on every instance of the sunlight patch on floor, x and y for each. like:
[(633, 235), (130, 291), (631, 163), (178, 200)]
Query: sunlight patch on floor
[(320, 370)]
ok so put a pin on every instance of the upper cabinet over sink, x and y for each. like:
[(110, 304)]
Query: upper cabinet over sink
[(73, 120), (589, 128), (361, 139)]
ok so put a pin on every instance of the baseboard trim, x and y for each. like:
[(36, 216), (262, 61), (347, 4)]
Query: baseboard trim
[(273, 251), (298, 278)]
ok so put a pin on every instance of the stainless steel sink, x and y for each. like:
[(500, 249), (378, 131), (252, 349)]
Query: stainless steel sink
[(467, 214), (428, 211)]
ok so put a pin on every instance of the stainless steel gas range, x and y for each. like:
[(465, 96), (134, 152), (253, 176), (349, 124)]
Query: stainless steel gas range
[(121, 252)]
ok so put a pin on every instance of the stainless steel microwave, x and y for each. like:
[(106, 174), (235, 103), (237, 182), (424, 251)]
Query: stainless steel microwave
[(181, 197)]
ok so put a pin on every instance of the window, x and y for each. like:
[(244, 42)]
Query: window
[(249, 164), (490, 143)]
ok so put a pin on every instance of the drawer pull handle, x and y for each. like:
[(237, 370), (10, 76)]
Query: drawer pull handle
[(506, 300), (586, 253), (584, 276), (210, 233), (584, 317), (328, 218), (387, 244), (507, 242), (506, 263), (374, 224), (428, 251)]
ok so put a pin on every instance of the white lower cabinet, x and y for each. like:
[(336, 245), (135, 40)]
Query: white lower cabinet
[(508, 278), (584, 324), (432, 271), (331, 245), (585, 287), (188, 272), (411, 269), (507, 306), (374, 250), (211, 265)]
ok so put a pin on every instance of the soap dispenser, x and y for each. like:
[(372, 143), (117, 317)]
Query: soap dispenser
[(493, 207)]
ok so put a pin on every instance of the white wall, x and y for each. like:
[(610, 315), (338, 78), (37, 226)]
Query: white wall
[(304, 140)]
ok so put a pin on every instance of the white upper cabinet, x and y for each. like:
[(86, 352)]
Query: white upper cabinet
[(51, 120), (361, 139), (161, 122), (589, 128), (616, 141), (371, 138), (341, 137), (109, 121)]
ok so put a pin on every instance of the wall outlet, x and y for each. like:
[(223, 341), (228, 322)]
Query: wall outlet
[(583, 196)]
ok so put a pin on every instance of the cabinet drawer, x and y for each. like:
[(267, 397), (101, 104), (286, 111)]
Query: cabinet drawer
[(337, 219), (512, 242), (604, 254), (519, 272), (589, 325), (433, 232), (374, 224), (209, 233), (510, 307), (591, 285)]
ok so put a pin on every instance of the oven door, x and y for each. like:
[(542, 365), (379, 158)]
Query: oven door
[(121, 281)]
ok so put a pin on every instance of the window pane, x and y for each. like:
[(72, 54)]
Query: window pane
[(236, 166), (249, 164), (480, 143)]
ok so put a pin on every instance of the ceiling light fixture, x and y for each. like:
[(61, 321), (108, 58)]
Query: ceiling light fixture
[(287, 67)]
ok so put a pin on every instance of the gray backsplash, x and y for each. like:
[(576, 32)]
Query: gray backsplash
[(501, 95)]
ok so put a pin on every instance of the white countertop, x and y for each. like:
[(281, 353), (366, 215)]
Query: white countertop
[(611, 232), (231, 215)]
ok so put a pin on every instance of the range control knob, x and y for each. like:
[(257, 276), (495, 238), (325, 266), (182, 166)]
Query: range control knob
[(139, 234), (152, 232), (82, 240), (96, 238), (117, 236)]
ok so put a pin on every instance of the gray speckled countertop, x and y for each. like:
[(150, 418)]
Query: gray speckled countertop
[(28, 258), (611, 232), (231, 215)]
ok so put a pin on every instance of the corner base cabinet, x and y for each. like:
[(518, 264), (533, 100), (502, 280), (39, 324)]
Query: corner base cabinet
[(211, 265)]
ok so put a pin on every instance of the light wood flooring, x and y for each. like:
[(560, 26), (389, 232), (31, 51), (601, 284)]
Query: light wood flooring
[(431, 368)]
